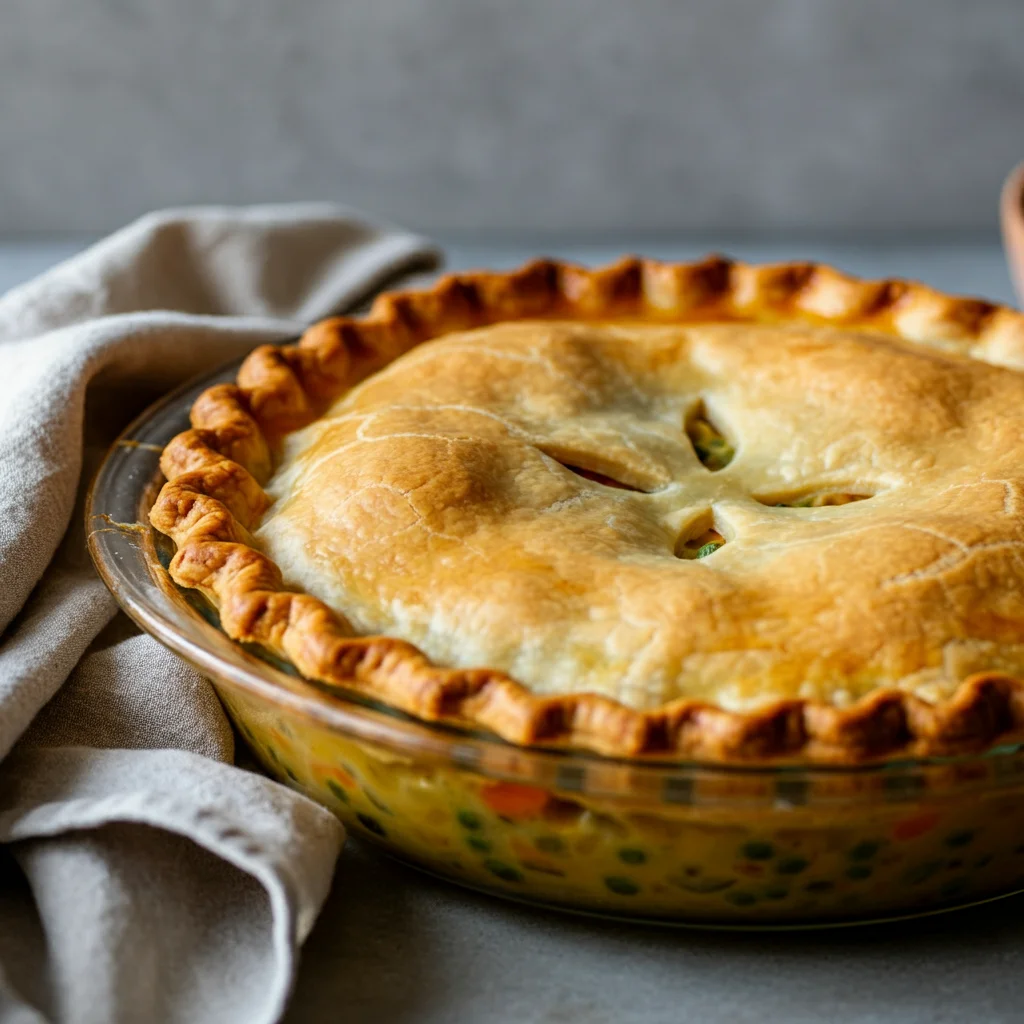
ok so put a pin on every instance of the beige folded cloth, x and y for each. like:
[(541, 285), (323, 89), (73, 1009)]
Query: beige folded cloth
[(143, 877)]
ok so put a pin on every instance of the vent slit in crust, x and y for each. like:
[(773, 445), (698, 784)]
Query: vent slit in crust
[(702, 536), (705, 543), (600, 478), (814, 499), (711, 446)]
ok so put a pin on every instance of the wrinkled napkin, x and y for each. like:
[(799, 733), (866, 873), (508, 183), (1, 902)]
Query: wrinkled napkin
[(143, 877)]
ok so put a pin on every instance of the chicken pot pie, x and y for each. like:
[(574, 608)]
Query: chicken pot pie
[(699, 511)]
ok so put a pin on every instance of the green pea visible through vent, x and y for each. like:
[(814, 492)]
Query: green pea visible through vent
[(713, 448), (704, 544), (819, 499)]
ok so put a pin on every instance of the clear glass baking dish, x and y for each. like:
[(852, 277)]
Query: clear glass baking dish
[(673, 843)]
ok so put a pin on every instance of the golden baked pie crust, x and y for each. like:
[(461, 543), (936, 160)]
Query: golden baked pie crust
[(216, 473)]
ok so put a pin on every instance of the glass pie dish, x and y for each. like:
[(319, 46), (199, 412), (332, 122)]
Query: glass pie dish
[(682, 843)]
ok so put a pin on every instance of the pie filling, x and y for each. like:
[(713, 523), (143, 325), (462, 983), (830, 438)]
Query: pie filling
[(711, 446), (701, 546), (789, 854), (820, 500)]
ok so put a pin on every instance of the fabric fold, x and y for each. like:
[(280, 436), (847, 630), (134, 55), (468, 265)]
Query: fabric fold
[(167, 884), (138, 824)]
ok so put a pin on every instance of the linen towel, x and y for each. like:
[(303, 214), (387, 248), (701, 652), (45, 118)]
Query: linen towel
[(143, 877)]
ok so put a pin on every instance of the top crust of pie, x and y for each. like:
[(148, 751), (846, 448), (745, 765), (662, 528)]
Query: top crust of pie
[(496, 526)]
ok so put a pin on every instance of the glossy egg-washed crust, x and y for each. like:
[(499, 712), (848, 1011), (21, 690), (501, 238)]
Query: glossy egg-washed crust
[(216, 471)]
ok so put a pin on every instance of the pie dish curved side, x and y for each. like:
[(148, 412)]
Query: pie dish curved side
[(214, 496)]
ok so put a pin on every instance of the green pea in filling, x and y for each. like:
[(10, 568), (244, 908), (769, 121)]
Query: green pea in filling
[(822, 500), (706, 543), (503, 871), (713, 450), (337, 792), (622, 886), (630, 855)]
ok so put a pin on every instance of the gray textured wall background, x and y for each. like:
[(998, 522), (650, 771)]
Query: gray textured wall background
[(516, 115)]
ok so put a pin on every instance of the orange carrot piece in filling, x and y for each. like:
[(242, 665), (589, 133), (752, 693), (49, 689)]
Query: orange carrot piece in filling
[(911, 828), (511, 800)]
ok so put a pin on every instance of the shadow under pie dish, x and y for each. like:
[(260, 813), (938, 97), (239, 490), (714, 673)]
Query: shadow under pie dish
[(765, 518)]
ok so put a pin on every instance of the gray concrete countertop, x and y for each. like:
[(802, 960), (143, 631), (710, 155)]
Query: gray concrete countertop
[(395, 946)]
